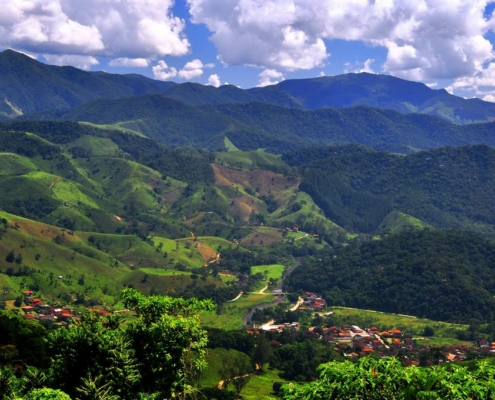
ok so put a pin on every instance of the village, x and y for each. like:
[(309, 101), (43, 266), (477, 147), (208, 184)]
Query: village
[(354, 342), (36, 309)]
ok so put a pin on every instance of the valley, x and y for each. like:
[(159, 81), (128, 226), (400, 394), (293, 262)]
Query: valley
[(267, 224)]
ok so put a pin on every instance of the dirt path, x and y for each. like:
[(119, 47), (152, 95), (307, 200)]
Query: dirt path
[(237, 297), (54, 182), (222, 382), (300, 300), (263, 290)]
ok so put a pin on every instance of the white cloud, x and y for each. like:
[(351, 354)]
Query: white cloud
[(129, 62), (82, 62), (269, 77), (271, 34), (367, 66), (120, 29), (162, 71), (431, 84), (193, 69), (214, 80), (424, 39), (489, 97)]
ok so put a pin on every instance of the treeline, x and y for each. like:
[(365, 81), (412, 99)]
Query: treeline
[(241, 261), (59, 132), (446, 276), (446, 187), (190, 167), (25, 145)]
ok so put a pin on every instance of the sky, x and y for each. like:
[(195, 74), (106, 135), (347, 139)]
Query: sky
[(442, 43)]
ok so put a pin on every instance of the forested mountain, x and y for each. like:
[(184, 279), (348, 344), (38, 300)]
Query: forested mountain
[(384, 91), (357, 187), (27, 85), (447, 276), (278, 129)]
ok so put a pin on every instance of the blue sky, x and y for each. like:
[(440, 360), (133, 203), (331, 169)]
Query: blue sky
[(443, 43)]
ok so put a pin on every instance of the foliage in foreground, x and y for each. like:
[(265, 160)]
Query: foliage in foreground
[(156, 356), (386, 379)]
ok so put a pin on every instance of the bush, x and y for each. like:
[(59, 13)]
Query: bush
[(46, 394)]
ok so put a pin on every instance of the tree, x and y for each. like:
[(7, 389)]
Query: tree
[(10, 256), (46, 394), (154, 357), (236, 369), (428, 331), (93, 348), (168, 341), (386, 379)]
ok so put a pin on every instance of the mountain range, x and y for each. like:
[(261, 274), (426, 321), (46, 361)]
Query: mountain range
[(27, 85)]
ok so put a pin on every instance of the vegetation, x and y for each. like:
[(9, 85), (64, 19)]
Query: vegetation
[(357, 188), (444, 276), (387, 379), (156, 356)]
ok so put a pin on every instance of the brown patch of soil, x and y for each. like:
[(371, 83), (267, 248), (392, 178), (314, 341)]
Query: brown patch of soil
[(264, 182)]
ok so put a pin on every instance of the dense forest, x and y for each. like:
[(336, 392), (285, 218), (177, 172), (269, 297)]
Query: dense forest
[(446, 187), (446, 276)]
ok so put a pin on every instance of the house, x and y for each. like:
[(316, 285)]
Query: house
[(27, 309)]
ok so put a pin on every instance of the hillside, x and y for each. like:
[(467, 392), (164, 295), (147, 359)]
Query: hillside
[(27, 85), (388, 92), (278, 129), (448, 188), (446, 276)]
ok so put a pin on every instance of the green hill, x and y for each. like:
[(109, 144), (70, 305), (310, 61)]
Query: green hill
[(445, 276), (278, 129), (448, 188)]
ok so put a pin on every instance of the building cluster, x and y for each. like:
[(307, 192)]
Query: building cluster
[(312, 301), (36, 309)]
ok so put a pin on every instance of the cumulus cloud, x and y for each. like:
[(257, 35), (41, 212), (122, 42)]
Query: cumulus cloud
[(424, 39), (162, 71), (269, 77), (81, 62), (121, 29), (214, 80), (193, 69), (129, 62), (489, 97), (367, 66)]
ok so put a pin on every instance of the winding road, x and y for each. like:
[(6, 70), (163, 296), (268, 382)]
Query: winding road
[(247, 317)]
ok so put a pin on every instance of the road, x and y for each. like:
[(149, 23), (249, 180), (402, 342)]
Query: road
[(247, 317)]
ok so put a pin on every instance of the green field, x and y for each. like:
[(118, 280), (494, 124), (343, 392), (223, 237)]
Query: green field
[(273, 271), (249, 159), (260, 385), (232, 313), (229, 145), (163, 272)]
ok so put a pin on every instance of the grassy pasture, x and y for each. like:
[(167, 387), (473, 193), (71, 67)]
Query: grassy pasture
[(274, 271), (211, 376), (260, 385), (248, 159), (231, 317), (98, 146), (14, 164), (229, 145)]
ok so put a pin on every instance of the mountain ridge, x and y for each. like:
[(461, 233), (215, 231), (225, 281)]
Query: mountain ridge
[(27, 85)]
